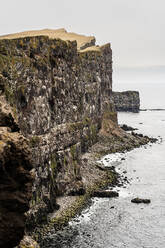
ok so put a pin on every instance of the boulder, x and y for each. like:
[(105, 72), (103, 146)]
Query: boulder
[(140, 200)]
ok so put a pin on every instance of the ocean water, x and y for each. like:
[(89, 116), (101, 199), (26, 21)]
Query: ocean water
[(116, 222)]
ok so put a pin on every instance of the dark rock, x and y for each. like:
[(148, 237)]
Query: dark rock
[(127, 128), (140, 200), (104, 193), (120, 184), (77, 192), (15, 187)]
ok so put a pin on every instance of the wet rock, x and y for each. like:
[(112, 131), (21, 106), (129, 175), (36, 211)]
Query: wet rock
[(140, 200), (120, 184), (104, 193), (105, 168), (127, 128)]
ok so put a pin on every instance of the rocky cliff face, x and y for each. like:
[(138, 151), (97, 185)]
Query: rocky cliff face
[(15, 179), (59, 97), (127, 101)]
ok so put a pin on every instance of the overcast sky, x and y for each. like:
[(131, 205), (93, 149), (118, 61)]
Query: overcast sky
[(135, 28)]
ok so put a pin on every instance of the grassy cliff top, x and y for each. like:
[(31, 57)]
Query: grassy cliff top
[(83, 41)]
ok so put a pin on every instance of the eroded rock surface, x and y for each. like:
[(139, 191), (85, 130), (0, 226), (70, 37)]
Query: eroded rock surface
[(15, 180)]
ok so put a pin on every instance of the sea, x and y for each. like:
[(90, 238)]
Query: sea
[(117, 222)]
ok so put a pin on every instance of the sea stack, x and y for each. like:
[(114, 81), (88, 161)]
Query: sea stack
[(127, 101)]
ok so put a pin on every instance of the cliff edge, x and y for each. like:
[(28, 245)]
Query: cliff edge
[(82, 41)]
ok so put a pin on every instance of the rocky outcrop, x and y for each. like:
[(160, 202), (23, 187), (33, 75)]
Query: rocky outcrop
[(15, 179), (127, 101)]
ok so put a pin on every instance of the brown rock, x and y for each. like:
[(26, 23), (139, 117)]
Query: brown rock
[(28, 242), (15, 187)]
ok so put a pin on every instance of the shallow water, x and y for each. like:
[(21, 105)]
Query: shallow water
[(117, 222)]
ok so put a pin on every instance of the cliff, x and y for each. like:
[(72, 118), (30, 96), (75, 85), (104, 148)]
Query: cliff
[(127, 101), (58, 104), (58, 97)]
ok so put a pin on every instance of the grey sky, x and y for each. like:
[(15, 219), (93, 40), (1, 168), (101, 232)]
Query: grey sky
[(135, 28)]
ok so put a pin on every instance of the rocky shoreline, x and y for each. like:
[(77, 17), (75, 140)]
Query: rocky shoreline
[(96, 177)]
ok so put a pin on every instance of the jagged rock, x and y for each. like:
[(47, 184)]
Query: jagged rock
[(6, 116), (105, 193), (140, 200), (127, 101), (15, 186), (28, 242)]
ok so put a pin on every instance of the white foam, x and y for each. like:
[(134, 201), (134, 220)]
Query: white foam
[(87, 213), (112, 159)]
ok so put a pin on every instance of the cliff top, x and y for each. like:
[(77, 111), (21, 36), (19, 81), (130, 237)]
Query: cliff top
[(83, 41)]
